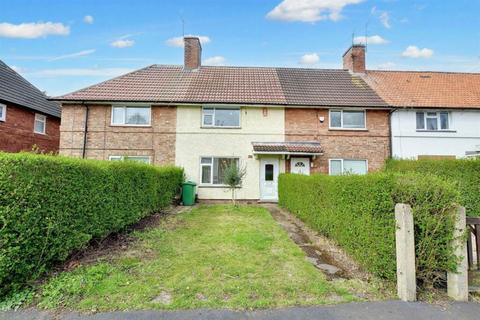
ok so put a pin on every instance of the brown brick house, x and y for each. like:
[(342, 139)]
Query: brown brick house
[(204, 118), (27, 118)]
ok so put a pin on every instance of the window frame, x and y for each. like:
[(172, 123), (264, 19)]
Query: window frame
[(124, 124), (438, 118), (342, 160), (122, 158), (211, 184), (3, 118), (44, 121), (215, 107), (342, 127)]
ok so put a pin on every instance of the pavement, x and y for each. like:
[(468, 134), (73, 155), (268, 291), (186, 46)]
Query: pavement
[(384, 310)]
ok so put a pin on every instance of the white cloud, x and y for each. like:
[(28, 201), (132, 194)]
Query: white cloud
[(415, 52), (122, 43), (79, 72), (309, 10), (33, 30), (74, 55), (383, 16), (370, 40), (17, 69), (178, 41), (385, 19), (386, 66), (88, 19), (215, 61), (309, 59)]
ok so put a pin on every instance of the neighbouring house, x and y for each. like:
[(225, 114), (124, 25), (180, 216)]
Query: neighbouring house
[(27, 118), (204, 118), (434, 115)]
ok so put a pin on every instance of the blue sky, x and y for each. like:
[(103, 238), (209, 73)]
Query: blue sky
[(61, 46)]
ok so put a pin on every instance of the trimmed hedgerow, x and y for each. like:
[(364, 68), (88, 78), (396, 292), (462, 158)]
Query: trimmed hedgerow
[(51, 206), (358, 212), (465, 173)]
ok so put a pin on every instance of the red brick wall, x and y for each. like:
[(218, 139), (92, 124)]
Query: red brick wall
[(372, 144), (16, 133)]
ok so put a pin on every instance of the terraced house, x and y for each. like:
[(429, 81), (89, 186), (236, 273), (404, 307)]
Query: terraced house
[(204, 118)]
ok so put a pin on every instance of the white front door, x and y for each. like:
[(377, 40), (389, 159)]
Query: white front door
[(269, 179), (300, 166)]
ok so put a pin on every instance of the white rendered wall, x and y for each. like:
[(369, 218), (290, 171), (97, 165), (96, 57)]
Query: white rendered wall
[(408, 143), (193, 142)]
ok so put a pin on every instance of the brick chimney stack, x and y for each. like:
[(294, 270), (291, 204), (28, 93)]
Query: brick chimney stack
[(193, 53), (354, 59)]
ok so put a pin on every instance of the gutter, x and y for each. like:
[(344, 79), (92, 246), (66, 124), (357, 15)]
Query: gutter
[(85, 130)]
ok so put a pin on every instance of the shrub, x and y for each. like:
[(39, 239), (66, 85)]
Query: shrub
[(358, 212), (51, 206), (465, 173)]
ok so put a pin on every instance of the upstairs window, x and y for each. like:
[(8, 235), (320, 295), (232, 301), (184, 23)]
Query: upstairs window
[(213, 169), (143, 159), (3, 112), (131, 116), (433, 121), (221, 117), (347, 119), (40, 123)]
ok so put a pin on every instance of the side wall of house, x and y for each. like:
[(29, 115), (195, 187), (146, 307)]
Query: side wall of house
[(462, 136), (194, 142), (372, 144), (16, 132), (104, 140)]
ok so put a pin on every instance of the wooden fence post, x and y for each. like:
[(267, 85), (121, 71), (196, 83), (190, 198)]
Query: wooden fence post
[(405, 245), (457, 282)]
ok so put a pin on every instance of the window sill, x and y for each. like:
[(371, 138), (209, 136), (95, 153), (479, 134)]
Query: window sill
[(217, 127), (347, 129), (132, 125), (42, 133), (438, 131), (218, 186)]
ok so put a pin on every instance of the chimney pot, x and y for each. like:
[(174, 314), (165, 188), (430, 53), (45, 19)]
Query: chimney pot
[(192, 53), (354, 59)]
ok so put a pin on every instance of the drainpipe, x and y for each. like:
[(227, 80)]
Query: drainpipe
[(390, 131), (85, 130)]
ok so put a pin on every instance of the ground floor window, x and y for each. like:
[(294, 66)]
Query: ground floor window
[(213, 169), (347, 166), (144, 159)]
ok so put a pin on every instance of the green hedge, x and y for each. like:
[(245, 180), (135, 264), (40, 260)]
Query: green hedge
[(464, 172), (358, 212), (51, 206)]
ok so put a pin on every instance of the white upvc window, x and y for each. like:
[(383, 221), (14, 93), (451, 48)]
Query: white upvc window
[(347, 166), (3, 112), (348, 119), (40, 123), (143, 159), (221, 117), (131, 116), (433, 120), (212, 169)]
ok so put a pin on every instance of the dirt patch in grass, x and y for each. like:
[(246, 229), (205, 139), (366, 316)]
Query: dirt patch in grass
[(117, 241)]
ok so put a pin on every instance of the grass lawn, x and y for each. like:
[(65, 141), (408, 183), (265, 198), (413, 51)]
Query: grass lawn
[(209, 257)]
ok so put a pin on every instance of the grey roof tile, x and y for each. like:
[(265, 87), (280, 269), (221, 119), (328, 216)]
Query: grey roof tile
[(15, 89)]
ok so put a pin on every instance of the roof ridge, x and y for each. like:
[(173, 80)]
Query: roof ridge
[(253, 67), (423, 71)]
